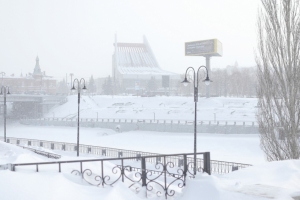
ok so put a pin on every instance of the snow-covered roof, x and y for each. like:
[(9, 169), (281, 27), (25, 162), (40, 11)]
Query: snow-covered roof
[(26, 77)]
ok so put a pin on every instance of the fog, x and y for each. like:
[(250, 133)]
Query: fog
[(77, 36)]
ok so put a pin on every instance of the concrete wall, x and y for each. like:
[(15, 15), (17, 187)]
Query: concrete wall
[(159, 126)]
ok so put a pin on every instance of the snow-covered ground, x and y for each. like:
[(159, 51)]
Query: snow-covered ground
[(276, 180), (182, 108)]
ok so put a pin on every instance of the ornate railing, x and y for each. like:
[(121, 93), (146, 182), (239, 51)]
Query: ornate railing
[(163, 181), (220, 167)]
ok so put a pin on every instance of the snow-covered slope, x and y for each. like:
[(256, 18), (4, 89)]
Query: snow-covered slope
[(131, 107)]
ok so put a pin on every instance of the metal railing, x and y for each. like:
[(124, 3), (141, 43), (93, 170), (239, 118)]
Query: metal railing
[(161, 181), (219, 167), (156, 121), (43, 153)]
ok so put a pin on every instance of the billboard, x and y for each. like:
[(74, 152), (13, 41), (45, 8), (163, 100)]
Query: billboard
[(211, 47)]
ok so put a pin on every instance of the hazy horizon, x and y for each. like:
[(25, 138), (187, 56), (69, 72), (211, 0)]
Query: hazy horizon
[(77, 37)]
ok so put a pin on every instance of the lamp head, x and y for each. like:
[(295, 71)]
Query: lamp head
[(207, 81), (185, 82), (84, 89)]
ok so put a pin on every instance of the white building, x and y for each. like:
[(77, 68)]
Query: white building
[(134, 67)]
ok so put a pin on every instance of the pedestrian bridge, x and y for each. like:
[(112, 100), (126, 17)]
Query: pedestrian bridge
[(44, 99), (25, 105)]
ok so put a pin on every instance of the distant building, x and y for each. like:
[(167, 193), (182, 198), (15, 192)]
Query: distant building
[(33, 83), (136, 70)]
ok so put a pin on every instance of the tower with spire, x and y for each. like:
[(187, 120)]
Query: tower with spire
[(37, 70)]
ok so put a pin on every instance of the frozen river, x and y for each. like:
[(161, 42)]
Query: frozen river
[(230, 147)]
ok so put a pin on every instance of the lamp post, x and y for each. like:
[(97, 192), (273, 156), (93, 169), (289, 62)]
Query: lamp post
[(4, 91), (71, 74), (196, 84), (154, 116), (79, 88), (3, 74)]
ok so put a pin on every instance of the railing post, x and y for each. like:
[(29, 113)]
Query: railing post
[(143, 171), (122, 170), (165, 177), (11, 167), (185, 167), (138, 157), (102, 172), (207, 162)]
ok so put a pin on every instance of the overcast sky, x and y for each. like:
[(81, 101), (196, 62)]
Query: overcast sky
[(77, 36)]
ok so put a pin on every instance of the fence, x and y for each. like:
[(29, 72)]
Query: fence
[(43, 153), (220, 167), (203, 126), (161, 181)]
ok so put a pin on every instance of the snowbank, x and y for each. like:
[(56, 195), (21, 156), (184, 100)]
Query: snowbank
[(274, 180)]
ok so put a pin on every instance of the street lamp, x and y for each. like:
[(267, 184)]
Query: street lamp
[(79, 88), (71, 74), (4, 91), (196, 83), (3, 74)]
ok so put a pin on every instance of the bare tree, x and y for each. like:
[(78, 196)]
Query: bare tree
[(279, 78)]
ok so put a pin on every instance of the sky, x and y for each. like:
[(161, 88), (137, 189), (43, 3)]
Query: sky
[(77, 36)]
